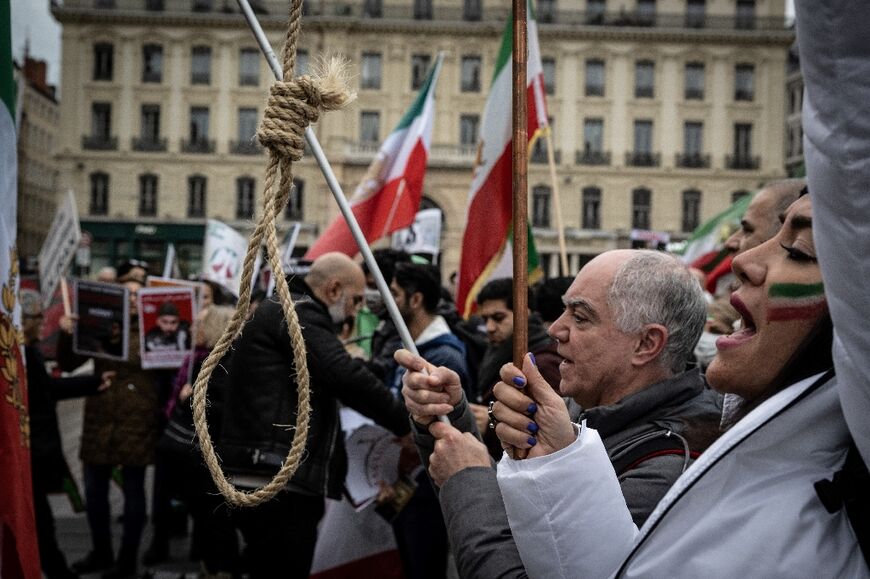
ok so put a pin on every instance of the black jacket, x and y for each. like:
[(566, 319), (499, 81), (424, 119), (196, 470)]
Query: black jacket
[(43, 392), (261, 399)]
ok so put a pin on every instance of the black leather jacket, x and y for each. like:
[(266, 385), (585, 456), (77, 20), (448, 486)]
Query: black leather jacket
[(261, 400)]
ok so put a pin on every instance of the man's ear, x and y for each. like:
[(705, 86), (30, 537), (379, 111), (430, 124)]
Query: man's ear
[(332, 290), (652, 341), (416, 300)]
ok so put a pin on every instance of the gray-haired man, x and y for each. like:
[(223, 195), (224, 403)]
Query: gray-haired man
[(630, 322)]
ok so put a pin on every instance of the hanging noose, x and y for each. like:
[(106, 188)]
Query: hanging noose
[(293, 105)]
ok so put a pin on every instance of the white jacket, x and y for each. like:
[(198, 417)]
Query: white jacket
[(746, 508)]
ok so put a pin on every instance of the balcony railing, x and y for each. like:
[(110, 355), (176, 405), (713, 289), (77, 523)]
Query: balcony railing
[(245, 148), (200, 78), (692, 161), (539, 155), (694, 94), (148, 144), (485, 13), (742, 162), (197, 146), (642, 159), (592, 157), (643, 92), (99, 143)]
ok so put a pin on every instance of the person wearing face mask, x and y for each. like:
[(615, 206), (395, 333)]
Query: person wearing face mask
[(721, 318), (262, 394)]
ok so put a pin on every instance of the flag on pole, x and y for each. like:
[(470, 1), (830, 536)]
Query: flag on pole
[(706, 243), (19, 555), (170, 264), (223, 255), (486, 244), (389, 195)]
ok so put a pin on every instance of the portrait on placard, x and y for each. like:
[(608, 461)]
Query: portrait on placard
[(166, 317), (103, 326)]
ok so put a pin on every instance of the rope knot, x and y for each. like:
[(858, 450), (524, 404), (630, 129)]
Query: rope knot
[(295, 104)]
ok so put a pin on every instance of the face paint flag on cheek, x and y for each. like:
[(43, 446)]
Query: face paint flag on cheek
[(796, 301)]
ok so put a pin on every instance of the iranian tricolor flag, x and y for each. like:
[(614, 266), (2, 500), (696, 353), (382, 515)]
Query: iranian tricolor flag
[(704, 249), (486, 244), (389, 195), (19, 556)]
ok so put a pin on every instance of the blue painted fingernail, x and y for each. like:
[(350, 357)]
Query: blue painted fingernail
[(532, 441), (532, 408), (533, 428), (532, 357), (519, 381)]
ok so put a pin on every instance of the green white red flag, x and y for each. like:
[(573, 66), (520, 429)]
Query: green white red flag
[(389, 195), (19, 555), (486, 244)]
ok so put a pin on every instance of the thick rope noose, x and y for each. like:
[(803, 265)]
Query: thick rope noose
[(293, 104)]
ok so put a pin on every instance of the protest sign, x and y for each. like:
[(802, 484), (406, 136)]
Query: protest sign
[(223, 255), (166, 317), (154, 281), (103, 328), (423, 236), (59, 247)]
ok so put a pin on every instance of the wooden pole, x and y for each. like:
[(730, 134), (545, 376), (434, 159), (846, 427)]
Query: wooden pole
[(519, 163), (557, 204)]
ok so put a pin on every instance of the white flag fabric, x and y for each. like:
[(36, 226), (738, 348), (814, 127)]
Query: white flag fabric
[(223, 255)]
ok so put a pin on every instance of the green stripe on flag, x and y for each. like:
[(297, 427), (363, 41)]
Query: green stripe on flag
[(7, 84), (735, 212), (505, 51), (796, 290)]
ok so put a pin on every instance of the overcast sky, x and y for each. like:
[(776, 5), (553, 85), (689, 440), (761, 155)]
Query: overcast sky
[(32, 19)]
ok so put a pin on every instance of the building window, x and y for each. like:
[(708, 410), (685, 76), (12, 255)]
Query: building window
[(370, 127), (204, 5), (738, 195), (301, 62), (644, 79), (293, 211), (744, 82), (152, 63), (423, 9), (742, 158), (196, 196), (745, 17), (147, 195), (694, 89), (472, 9), (470, 74), (595, 11), (247, 125), (646, 12), (419, 68), (199, 117), (540, 206), (154, 5), (373, 8), (696, 13), (546, 11), (594, 78), (593, 135), (370, 75), (693, 138), (245, 198), (549, 66), (101, 121), (149, 131), (99, 194), (643, 137), (200, 65), (641, 199), (104, 58), (468, 125), (691, 210), (249, 67), (591, 208)]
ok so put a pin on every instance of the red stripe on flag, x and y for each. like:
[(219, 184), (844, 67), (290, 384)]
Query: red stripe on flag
[(373, 213), (386, 565)]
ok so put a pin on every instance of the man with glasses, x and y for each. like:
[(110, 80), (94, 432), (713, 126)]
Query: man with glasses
[(262, 396)]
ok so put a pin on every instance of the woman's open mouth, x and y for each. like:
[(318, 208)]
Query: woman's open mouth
[(746, 331)]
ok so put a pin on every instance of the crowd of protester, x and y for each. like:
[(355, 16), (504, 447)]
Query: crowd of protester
[(665, 421)]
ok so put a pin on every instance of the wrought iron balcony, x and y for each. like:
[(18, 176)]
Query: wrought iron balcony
[(692, 161), (99, 143), (197, 146), (200, 78), (742, 162), (694, 94), (539, 155), (148, 144), (643, 92), (588, 157), (642, 159)]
